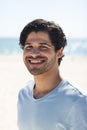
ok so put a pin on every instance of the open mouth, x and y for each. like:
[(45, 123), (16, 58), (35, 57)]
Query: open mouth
[(36, 61)]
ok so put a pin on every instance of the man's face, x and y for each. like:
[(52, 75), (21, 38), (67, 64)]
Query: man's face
[(39, 54)]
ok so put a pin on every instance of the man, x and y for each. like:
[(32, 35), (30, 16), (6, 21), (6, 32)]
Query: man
[(49, 102)]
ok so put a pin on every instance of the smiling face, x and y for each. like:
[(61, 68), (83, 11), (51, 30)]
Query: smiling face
[(39, 54)]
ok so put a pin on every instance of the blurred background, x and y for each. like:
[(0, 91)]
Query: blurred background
[(71, 15)]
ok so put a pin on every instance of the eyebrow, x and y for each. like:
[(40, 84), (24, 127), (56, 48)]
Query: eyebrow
[(40, 42)]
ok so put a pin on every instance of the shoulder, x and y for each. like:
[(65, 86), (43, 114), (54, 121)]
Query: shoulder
[(69, 90), (70, 93), (78, 114), (26, 90), (81, 104)]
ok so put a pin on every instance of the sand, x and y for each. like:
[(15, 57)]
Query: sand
[(13, 75)]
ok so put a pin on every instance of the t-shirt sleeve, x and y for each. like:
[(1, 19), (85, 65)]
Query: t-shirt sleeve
[(77, 117)]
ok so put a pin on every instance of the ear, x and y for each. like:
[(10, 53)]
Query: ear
[(60, 52)]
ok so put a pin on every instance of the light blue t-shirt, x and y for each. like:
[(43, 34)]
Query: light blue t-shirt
[(64, 108)]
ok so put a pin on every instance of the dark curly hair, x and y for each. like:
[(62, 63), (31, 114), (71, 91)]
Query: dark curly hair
[(54, 31)]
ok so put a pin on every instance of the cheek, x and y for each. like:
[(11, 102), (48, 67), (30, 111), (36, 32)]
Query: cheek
[(48, 53), (24, 56)]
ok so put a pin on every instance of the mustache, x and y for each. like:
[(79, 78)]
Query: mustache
[(35, 58)]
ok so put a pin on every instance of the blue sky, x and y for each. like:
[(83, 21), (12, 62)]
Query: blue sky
[(71, 15)]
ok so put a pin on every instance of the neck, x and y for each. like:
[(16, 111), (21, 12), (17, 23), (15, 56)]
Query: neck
[(45, 83)]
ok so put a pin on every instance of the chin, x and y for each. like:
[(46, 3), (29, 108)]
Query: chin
[(35, 71)]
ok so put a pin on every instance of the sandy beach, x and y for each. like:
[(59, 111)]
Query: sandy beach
[(13, 75)]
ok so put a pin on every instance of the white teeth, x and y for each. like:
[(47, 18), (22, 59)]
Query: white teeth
[(35, 61)]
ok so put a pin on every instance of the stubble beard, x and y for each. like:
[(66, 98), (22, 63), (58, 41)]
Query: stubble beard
[(45, 67)]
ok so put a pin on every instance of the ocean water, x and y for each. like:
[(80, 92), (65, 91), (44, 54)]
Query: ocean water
[(75, 46), (9, 46)]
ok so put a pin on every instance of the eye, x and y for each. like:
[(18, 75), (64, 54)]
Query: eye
[(28, 47), (43, 47)]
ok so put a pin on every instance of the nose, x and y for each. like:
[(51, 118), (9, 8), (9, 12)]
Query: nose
[(35, 52)]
